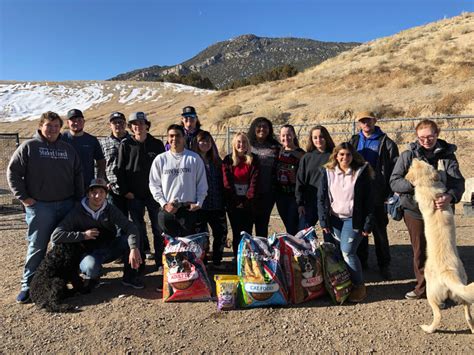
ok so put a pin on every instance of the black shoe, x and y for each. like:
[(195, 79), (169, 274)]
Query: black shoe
[(23, 297), (386, 273), (134, 282)]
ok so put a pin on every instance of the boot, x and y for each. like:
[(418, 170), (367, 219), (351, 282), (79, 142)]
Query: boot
[(358, 294)]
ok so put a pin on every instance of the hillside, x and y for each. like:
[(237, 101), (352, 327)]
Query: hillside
[(243, 57), (427, 70)]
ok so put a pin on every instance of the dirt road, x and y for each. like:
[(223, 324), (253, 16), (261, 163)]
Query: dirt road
[(116, 319)]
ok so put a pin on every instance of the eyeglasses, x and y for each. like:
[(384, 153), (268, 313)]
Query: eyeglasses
[(204, 142), (189, 118), (427, 138)]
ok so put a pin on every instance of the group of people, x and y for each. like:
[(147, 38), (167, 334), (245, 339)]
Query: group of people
[(77, 189)]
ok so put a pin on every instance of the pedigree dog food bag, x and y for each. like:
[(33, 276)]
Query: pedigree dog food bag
[(302, 265), (185, 276), (261, 278), (336, 276)]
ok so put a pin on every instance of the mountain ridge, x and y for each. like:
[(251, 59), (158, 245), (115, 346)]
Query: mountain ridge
[(244, 56)]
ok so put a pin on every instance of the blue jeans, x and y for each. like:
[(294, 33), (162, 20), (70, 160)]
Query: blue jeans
[(136, 208), (288, 211), (42, 218), (348, 241), (91, 263)]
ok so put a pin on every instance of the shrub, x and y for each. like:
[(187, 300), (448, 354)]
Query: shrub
[(278, 73)]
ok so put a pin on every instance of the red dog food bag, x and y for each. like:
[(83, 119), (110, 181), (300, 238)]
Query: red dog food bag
[(185, 277), (302, 265)]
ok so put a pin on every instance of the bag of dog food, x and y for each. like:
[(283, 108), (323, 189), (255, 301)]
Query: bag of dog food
[(262, 282), (226, 290), (185, 276), (302, 265), (336, 276)]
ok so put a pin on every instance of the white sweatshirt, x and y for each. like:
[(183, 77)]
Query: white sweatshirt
[(178, 177)]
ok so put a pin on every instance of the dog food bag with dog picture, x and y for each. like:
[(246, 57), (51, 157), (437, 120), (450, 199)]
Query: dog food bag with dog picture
[(336, 276), (226, 290), (262, 282), (185, 276), (302, 265)]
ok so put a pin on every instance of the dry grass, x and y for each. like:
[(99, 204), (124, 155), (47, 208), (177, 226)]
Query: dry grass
[(425, 70)]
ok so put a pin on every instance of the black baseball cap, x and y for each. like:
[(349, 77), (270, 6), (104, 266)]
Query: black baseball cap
[(189, 111), (116, 115), (74, 113)]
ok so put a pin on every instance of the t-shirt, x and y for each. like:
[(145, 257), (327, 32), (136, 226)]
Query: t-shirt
[(88, 148)]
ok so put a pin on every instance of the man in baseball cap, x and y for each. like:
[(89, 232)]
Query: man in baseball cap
[(86, 145), (381, 153), (110, 146), (93, 222), (136, 154)]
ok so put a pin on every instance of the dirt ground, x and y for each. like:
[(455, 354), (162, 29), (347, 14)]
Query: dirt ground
[(120, 320)]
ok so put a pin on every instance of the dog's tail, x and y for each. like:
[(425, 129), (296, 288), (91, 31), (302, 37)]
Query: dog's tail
[(465, 292)]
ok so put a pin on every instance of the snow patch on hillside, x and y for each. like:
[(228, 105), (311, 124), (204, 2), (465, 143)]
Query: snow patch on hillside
[(30, 100)]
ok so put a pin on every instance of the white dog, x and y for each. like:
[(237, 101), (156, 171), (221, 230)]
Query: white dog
[(444, 272)]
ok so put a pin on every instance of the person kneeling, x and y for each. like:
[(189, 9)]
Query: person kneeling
[(93, 222)]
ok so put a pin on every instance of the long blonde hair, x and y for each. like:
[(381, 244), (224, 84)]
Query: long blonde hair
[(235, 156)]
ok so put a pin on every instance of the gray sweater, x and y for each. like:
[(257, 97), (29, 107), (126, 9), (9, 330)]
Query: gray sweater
[(45, 171)]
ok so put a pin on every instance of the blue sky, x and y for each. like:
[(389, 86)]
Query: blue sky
[(58, 40)]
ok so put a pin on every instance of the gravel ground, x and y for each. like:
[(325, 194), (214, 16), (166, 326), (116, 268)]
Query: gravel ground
[(116, 319)]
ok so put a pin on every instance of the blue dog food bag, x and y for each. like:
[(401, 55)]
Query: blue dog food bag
[(261, 277)]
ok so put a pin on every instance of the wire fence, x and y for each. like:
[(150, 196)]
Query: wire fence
[(458, 130)]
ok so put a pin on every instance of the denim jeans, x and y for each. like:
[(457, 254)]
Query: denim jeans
[(136, 208), (91, 263), (348, 241), (288, 211), (41, 218)]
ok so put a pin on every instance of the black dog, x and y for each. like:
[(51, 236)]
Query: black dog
[(49, 285)]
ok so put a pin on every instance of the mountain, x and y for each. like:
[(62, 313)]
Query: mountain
[(245, 56), (420, 72)]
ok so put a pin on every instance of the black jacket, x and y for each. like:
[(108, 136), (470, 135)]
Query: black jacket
[(443, 151), (134, 164), (387, 157), (363, 212), (307, 178)]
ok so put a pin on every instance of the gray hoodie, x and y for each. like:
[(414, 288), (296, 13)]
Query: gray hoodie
[(45, 171)]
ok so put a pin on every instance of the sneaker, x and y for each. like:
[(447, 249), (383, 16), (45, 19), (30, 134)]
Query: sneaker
[(412, 296), (386, 273), (358, 294), (23, 297), (134, 282), (149, 255), (218, 266)]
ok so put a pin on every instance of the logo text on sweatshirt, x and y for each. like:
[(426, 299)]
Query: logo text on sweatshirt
[(176, 171), (53, 153)]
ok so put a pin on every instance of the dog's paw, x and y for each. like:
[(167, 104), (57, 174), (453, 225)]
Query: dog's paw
[(428, 329)]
